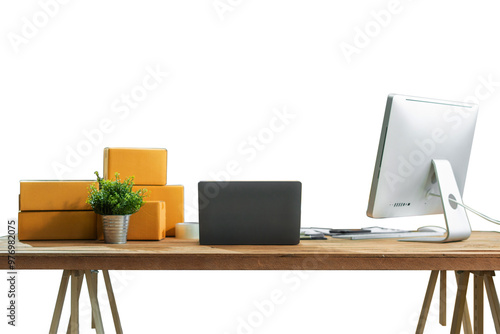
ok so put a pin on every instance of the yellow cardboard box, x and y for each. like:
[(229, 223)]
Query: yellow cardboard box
[(57, 225), (147, 165), (173, 196), (54, 195), (146, 224)]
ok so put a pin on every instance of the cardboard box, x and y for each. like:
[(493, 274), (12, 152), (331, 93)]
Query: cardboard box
[(146, 224), (173, 196), (54, 195), (57, 225), (147, 165)]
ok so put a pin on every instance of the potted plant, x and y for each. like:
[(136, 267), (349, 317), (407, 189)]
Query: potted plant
[(115, 202)]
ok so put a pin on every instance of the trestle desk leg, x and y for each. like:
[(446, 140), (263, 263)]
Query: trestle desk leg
[(76, 278), (466, 318), (458, 313), (427, 302), (493, 298), (478, 303), (94, 274), (112, 302), (54, 326), (442, 297), (95, 305), (80, 283)]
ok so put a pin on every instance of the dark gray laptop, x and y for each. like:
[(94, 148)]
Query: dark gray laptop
[(249, 213)]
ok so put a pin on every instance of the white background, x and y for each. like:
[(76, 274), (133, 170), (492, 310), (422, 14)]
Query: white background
[(229, 70)]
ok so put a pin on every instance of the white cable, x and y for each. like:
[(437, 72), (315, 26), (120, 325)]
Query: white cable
[(491, 220)]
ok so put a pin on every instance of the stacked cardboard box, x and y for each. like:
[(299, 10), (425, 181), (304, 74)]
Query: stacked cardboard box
[(149, 168), (55, 210), (173, 196)]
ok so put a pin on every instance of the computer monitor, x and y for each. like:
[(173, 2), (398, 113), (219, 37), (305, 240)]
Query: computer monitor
[(422, 162)]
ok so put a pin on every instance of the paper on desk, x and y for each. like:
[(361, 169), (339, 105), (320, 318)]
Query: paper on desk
[(409, 234), (315, 231), (378, 229)]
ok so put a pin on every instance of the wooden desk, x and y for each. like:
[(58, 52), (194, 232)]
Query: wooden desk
[(479, 255)]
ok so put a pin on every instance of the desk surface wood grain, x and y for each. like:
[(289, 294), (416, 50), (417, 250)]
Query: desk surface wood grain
[(480, 252)]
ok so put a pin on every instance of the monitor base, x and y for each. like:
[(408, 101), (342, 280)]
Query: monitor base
[(457, 222)]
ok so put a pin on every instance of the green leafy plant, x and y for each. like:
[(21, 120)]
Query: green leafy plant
[(115, 197)]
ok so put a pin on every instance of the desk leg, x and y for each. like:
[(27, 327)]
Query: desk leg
[(458, 313), (478, 303), (95, 305), (94, 274), (427, 301), (80, 283), (59, 302), (466, 317), (76, 277), (112, 302), (442, 297), (493, 298)]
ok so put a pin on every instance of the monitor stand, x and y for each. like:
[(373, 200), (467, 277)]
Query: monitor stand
[(457, 222)]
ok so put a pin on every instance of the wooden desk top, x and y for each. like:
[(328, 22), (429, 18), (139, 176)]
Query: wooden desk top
[(480, 252)]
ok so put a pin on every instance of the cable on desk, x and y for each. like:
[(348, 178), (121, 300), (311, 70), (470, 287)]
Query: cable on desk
[(482, 215)]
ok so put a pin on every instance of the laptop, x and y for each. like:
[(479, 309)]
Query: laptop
[(249, 212)]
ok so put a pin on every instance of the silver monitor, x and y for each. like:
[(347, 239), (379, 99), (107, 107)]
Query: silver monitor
[(422, 161)]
